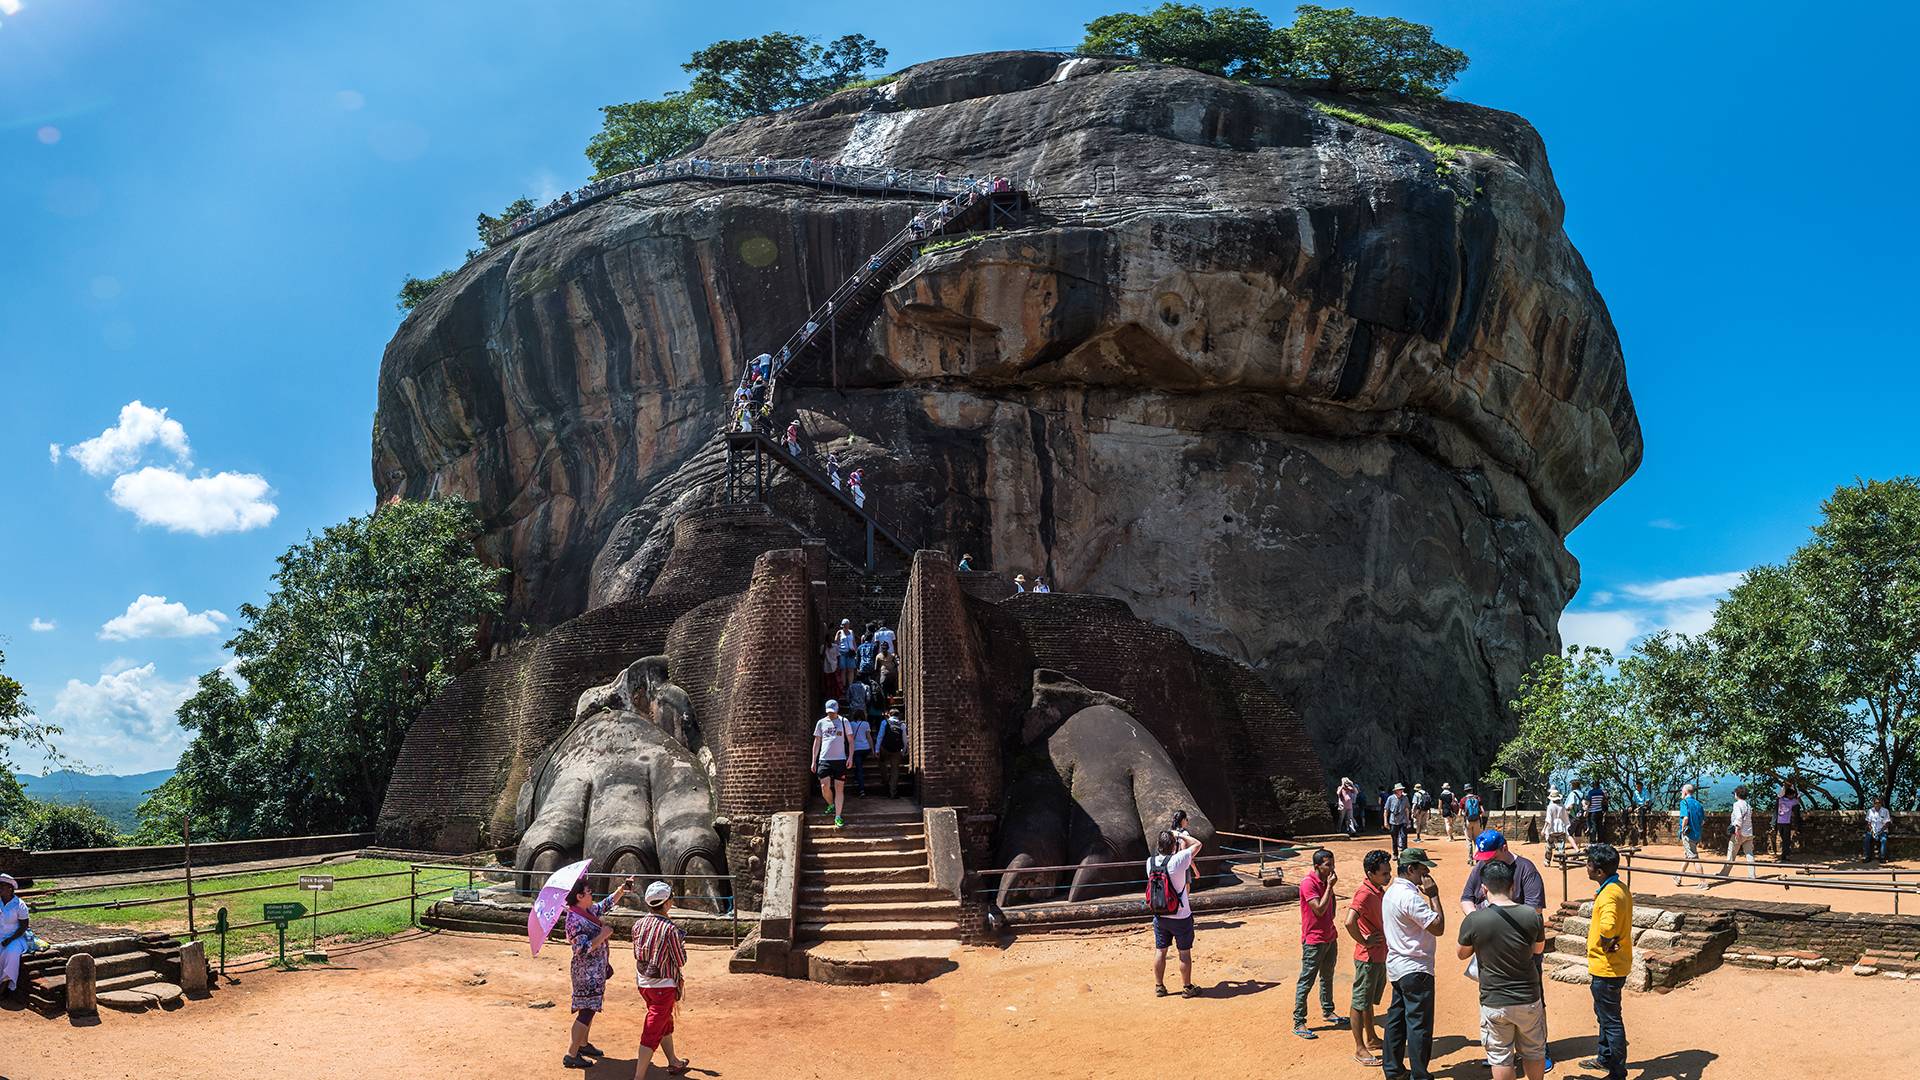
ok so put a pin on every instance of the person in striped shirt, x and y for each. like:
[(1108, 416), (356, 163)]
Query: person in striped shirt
[(659, 960)]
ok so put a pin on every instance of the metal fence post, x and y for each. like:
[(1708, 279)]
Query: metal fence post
[(413, 894)]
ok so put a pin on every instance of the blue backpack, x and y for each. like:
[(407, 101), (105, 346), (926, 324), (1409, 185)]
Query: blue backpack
[(1473, 807)]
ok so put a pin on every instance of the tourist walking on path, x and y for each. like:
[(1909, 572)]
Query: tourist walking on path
[(13, 934), (1596, 813), (892, 741), (1528, 888), (1167, 873), (862, 739), (1740, 833), (830, 668), (1413, 919), (1399, 817), (660, 960), (1557, 826), (1369, 954), (1879, 818), (589, 969), (832, 741), (1609, 958), (1786, 815), (1319, 944), (847, 643), (1449, 807), (1473, 812), (1422, 805), (1693, 824), (1505, 939), (1347, 795)]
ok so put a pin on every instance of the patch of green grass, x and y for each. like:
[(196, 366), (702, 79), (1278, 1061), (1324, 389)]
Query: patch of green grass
[(1445, 154), (867, 84), (246, 907), (1126, 68), (951, 243)]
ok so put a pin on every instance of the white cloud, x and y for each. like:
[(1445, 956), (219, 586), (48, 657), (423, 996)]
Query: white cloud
[(1698, 587), (202, 505), (53, 453), (1600, 629), (121, 446), (1665, 523), (123, 721), (40, 625), (153, 616)]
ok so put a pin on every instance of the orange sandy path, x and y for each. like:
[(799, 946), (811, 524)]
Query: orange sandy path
[(1045, 1007)]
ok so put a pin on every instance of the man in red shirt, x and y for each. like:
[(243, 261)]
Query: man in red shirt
[(1369, 954), (1319, 944)]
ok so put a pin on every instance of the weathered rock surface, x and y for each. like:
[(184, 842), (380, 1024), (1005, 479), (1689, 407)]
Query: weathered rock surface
[(1263, 374)]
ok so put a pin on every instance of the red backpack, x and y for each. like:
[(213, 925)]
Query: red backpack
[(1162, 897)]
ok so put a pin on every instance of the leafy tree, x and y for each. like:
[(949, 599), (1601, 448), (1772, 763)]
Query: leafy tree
[(640, 133), (752, 76), (164, 809), (368, 621), (414, 291), (1367, 52), (1582, 715), (18, 726), (491, 227), (1236, 42), (59, 826)]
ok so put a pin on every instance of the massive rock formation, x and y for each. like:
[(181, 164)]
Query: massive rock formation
[(1282, 383)]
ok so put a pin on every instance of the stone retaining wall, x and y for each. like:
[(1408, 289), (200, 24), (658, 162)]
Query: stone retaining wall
[(78, 861)]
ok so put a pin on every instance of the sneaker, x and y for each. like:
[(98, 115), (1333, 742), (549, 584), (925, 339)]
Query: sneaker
[(1304, 1032), (838, 822), (590, 1050), (571, 1062), (1593, 1063)]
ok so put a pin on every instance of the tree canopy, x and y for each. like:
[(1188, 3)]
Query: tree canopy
[(752, 76), (491, 226), (640, 133), (1346, 51), (367, 622)]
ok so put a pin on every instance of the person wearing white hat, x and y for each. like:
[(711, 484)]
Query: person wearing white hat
[(1399, 817), (832, 745), (659, 964), (13, 934), (1559, 826), (1019, 583)]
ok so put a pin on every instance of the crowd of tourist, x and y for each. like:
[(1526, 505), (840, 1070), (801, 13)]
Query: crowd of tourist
[(1408, 816), (862, 718)]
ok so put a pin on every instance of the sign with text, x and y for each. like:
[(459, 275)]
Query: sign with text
[(281, 913), (317, 882)]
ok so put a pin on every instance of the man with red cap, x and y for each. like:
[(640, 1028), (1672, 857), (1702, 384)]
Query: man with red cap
[(1529, 887)]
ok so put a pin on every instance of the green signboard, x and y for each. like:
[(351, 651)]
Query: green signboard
[(283, 912)]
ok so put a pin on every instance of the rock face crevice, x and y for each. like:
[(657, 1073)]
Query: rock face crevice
[(1265, 375)]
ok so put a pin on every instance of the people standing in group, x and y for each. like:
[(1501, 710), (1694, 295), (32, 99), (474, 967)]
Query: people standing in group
[(1399, 816), (13, 934), (1422, 805), (1167, 875), (1364, 926), (1558, 826), (1347, 796), (1319, 944), (1449, 807), (1527, 888), (1412, 919), (1878, 820), (1786, 816), (660, 961), (1693, 824), (589, 968), (1609, 958), (891, 740), (1505, 939), (832, 742), (1596, 806), (1740, 834)]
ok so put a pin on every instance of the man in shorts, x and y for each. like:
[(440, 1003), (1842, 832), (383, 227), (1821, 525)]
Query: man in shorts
[(832, 744), (1175, 857), (1693, 822), (1449, 807), (1502, 938), (1369, 954)]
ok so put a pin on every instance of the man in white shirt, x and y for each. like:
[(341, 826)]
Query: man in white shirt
[(832, 744), (13, 934), (1878, 820), (1175, 857), (1740, 834), (1412, 919), (1559, 826)]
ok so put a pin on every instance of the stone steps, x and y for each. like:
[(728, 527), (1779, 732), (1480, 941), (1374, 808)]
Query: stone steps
[(862, 875), (867, 963), (865, 827), (154, 994), (838, 844), (834, 891), (929, 929), (883, 911), (890, 858)]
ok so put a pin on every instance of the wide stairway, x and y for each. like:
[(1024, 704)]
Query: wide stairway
[(868, 911)]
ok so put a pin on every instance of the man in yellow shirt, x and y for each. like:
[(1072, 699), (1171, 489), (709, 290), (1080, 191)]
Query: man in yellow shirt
[(1609, 958)]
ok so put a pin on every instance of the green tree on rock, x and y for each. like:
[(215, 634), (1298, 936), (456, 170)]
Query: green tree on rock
[(753, 76), (492, 227), (366, 623), (1367, 52), (414, 291), (1237, 42), (640, 133)]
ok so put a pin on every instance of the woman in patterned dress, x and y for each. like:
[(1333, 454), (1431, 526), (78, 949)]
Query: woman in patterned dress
[(587, 936)]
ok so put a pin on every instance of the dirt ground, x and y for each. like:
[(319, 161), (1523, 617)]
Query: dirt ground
[(1044, 1007)]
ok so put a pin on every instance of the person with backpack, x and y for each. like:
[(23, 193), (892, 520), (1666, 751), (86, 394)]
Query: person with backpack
[(1504, 938), (1167, 875), (832, 743), (1475, 812), (1319, 944), (1449, 807), (1422, 805), (892, 741)]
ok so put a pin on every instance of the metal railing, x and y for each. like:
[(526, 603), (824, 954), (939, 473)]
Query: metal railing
[(642, 880), (1784, 882)]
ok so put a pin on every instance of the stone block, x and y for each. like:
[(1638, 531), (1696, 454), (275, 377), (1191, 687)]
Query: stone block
[(946, 859), (81, 1000), (1865, 969), (1651, 938), (193, 968), (782, 881)]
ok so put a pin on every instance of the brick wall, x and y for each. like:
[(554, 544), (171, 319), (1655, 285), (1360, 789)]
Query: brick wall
[(1840, 936), (953, 731)]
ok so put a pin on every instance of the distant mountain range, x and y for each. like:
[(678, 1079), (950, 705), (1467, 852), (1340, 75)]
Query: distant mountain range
[(116, 797)]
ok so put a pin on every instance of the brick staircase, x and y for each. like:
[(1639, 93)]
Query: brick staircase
[(867, 909), (132, 973)]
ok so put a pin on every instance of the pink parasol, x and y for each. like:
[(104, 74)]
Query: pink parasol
[(551, 901)]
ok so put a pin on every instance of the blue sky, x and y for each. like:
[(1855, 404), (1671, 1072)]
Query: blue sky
[(210, 205)]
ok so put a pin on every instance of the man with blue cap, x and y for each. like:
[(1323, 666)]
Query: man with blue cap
[(1529, 887)]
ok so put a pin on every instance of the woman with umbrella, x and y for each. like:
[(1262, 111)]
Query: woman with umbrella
[(588, 934)]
